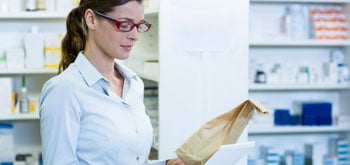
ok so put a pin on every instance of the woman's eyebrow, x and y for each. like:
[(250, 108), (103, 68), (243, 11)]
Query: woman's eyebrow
[(131, 20)]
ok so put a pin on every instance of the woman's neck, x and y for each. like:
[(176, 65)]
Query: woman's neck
[(103, 63)]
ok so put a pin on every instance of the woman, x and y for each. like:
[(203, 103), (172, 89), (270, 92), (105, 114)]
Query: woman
[(93, 112)]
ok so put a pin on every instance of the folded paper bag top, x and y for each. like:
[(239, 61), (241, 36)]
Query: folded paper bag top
[(223, 129)]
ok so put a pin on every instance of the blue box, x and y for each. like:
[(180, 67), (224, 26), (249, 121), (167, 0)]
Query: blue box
[(281, 117), (317, 113), (295, 120)]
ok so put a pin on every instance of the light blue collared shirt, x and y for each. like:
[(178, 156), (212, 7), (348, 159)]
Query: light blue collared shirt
[(83, 122)]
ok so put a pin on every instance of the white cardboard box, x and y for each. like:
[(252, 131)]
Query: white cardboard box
[(5, 95)]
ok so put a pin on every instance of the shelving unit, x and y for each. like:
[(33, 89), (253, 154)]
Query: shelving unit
[(297, 87), (33, 15), (299, 1), (27, 71), (13, 26), (17, 117), (300, 43), (149, 76), (26, 130), (296, 130), (302, 52), (49, 15)]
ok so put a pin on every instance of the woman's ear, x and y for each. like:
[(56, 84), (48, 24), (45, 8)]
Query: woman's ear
[(90, 19)]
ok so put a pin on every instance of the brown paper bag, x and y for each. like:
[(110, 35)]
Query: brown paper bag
[(223, 129)]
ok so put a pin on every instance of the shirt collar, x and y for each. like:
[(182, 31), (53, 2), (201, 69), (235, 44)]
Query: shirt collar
[(125, 71), (92, 75)]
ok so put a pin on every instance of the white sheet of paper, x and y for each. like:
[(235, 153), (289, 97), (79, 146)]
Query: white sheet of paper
[(230, 154), (226, 155)]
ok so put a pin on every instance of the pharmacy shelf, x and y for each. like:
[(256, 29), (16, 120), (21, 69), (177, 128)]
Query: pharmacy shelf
[(33, 15), (148, 76), (26, 71), (151, 11), (301, 1), (155, 146), (12, 117), (304, 43), (296, 129), (297, 87), (51, 15)]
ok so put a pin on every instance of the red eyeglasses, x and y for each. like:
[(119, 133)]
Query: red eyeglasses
[(126, 26)]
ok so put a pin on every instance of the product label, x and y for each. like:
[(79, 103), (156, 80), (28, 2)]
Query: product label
[(52, 57)]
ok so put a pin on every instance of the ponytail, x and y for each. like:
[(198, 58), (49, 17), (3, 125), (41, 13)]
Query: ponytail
[(74, 40)]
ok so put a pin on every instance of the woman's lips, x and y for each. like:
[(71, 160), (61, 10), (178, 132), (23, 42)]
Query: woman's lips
[(127, 47)]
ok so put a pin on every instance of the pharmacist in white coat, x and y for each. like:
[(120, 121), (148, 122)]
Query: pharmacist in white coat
[(93, 111)]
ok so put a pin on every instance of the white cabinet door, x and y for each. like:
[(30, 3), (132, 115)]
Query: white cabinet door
[(203, 49)]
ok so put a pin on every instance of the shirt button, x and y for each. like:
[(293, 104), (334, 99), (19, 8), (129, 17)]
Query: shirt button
[(137, 158)]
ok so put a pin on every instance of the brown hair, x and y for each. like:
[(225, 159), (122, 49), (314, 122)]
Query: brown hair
[(74, 40)]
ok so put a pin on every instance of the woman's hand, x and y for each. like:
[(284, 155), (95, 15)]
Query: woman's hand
[(175, 161)]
